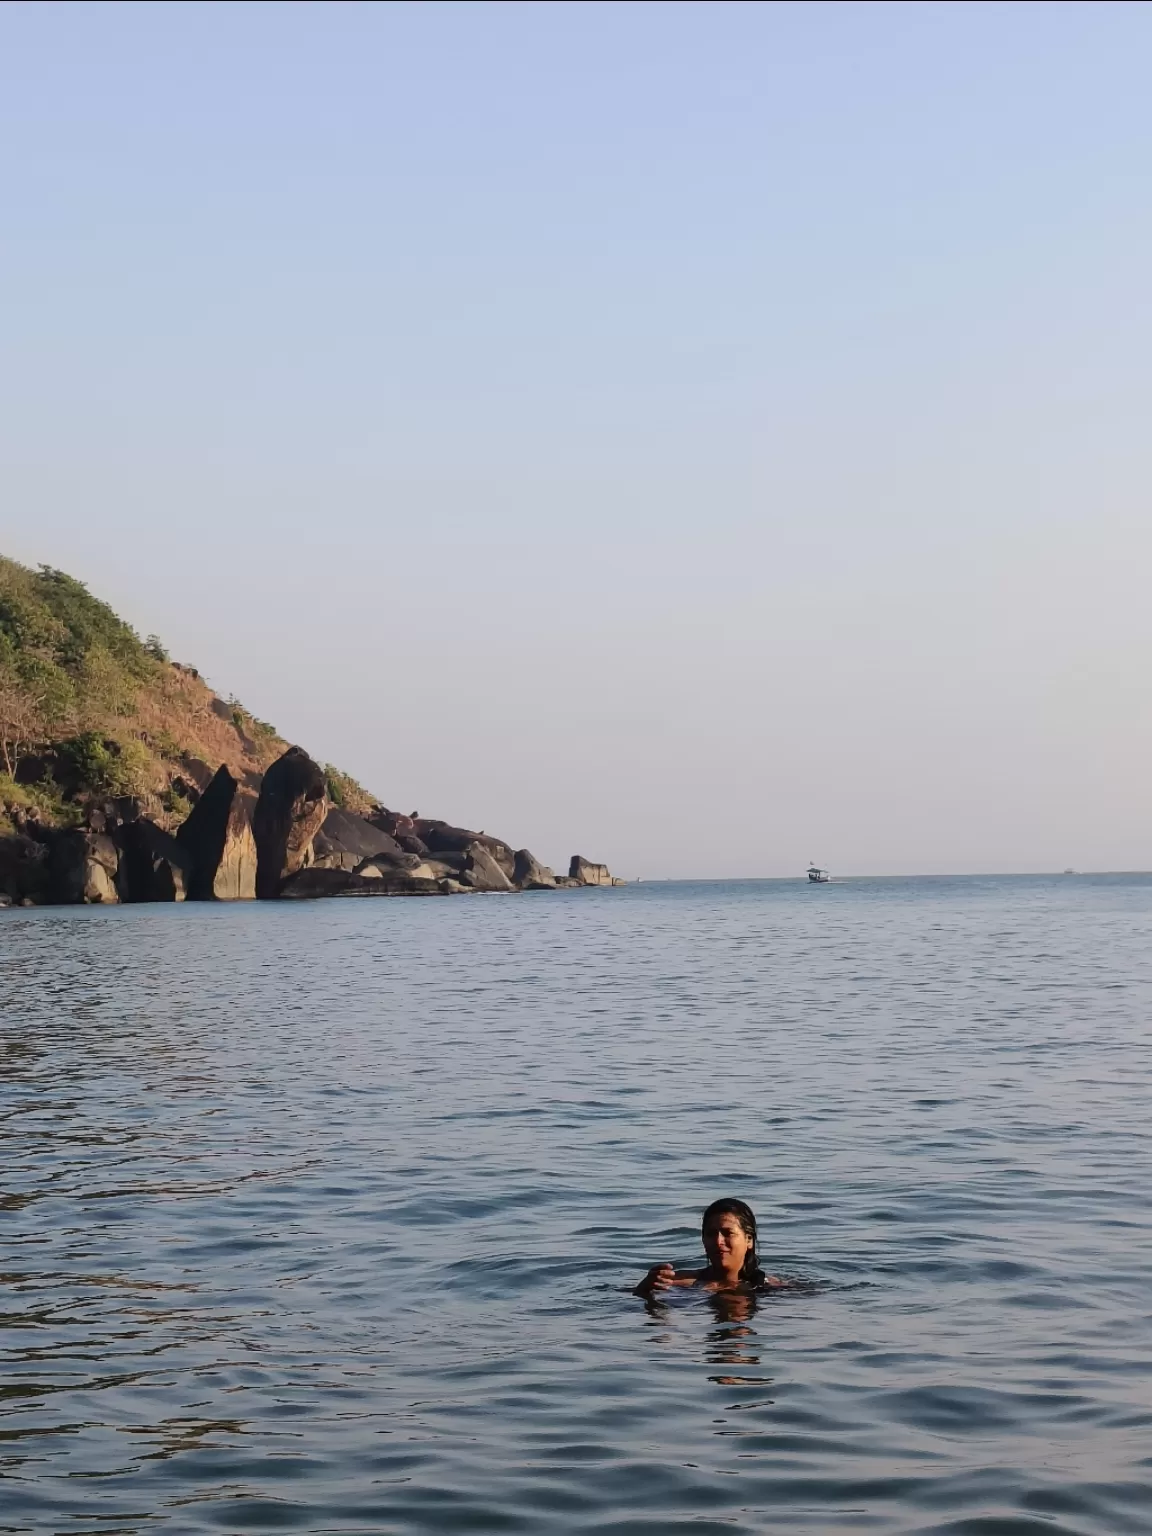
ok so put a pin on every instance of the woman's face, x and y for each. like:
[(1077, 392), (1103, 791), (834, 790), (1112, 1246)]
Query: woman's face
[(726, 1243)]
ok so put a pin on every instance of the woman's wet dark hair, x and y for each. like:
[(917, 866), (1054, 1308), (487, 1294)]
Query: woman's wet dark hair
[(750, 1271)]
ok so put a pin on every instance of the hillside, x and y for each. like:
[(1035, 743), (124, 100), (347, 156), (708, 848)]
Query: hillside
[(89, 710), (125, 778)]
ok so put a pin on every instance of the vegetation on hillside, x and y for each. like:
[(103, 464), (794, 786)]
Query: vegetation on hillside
[(89, 710)]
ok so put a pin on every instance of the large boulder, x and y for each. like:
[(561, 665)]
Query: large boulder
[(219, 839), (291, 809), (583, 872), (446, 866), (404, 864), (346, 840), (395, 823), (481, 871), (410, 843), (153, 865), (530, 875), (402, 828), (308, 884), (24, 874), (501, 853), (82, 867), (235, 878), (442, 837), (439, 837)]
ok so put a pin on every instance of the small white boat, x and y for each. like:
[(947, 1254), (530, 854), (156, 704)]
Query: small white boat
[(817, 875)]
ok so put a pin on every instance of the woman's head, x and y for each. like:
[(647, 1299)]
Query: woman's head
[(728, 1229)]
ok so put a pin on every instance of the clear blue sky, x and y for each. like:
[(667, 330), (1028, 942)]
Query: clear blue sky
[(707, 436)]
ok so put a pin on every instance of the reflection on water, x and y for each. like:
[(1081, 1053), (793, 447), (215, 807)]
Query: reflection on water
[(733, 1343), (325, 1218)]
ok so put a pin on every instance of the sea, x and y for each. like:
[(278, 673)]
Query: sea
[(325, 1217)]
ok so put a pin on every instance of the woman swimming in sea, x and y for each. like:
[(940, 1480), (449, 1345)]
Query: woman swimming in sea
[(728, 1230)]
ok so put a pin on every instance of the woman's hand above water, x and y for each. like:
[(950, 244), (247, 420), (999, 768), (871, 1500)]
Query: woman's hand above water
[(658, 1279)]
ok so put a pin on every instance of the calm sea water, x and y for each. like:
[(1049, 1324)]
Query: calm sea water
[(323, 1217)]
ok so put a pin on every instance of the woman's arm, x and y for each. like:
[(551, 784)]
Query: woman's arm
[(660, 1277)]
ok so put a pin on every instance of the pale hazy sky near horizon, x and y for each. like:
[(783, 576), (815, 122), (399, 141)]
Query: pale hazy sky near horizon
[(708, 437)]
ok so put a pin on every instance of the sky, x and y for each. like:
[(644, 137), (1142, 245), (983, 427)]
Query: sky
[(705, 437)]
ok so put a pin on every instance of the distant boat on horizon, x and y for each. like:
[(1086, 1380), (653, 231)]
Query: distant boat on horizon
[(817, 875)]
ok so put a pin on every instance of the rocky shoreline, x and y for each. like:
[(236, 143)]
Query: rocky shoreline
[(270, 838)]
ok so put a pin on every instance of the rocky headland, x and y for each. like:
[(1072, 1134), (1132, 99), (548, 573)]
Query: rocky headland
[(125, 778)]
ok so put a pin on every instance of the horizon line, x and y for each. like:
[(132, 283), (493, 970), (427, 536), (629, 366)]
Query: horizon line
[(1010, 874)]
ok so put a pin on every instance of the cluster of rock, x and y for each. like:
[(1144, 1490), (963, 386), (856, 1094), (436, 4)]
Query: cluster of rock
[(272, 838)]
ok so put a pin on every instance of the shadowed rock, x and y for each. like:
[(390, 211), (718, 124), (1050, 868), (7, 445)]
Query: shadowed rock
[(530, 875), (481, 870), (402, 828), (308, 884), (220, 843), (346, 837), (383, 867), (24, 874), (446, 866), (82, 867), (203, 833), (395, 823), (154, 866), (291, 809), (439, 837)]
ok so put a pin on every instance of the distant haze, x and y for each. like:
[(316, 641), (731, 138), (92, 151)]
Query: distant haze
[(704, 437)]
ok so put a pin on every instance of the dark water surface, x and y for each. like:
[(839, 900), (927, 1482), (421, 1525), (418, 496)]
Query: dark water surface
[(320, 1217)]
